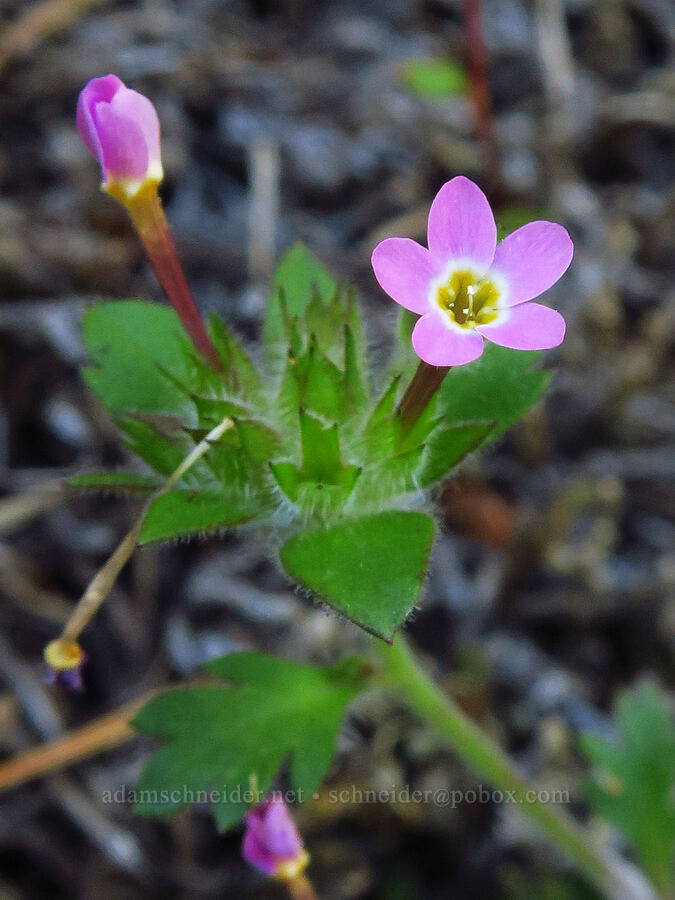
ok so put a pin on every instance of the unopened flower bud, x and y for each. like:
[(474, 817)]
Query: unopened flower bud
[(272, 843), (120, 128)]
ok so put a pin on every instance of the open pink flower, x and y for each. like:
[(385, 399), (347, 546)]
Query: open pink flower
[(121, 129), (271, 841), (466, 287)]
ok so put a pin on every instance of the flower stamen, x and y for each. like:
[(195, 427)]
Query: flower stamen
[(468, 299)]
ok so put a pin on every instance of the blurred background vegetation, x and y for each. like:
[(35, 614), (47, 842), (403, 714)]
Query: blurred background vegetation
[(553, 584)]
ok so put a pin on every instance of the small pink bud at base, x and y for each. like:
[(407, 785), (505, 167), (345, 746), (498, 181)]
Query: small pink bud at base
[(65, 659), (120, 128), (272, 843)]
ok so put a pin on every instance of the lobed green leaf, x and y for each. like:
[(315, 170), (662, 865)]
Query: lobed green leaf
[(234, 739)]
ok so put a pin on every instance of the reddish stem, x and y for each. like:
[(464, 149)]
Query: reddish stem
[(148, 216), (479, 89), (426, 381)]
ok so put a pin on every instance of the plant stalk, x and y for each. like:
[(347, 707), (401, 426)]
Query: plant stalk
[(301, 888), (101, 584), (479, 88), (426, 381), (403, 672), (148, 217)]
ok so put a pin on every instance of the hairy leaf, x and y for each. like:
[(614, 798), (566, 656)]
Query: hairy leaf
[(370, 569), (180, 513)]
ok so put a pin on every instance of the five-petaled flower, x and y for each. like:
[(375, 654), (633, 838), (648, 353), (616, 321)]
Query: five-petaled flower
[(271, 841), (467, 287), (120, 128)]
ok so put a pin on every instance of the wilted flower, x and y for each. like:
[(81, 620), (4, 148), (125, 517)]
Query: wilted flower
[(65, 660), (271, 842), (121, 129), (466, 287)]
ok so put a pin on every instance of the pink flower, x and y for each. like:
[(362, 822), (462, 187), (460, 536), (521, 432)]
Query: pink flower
[(466, 287), (121, 129), (271, 842)]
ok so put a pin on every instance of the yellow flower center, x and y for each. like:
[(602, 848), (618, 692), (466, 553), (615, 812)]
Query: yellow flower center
[(63, 654), (292, 869), (468, 300)]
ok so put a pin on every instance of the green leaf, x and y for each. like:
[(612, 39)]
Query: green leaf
[(288, 477), (447, 446), (500, 386), (355, 388), (435, 78), (324, 387), (299, 276), (385, 405), (116, 482), (234, 739), (130, 342), (288, 400), (634, 778), (325, 323), (181, 513), (239, 373), (259, 441), (386, 480), (322, 482), (320, 450), (369, 569), (162, 452)]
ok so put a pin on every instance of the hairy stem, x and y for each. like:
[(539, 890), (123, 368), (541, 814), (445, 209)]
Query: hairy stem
[(148, 217), (403, 672)]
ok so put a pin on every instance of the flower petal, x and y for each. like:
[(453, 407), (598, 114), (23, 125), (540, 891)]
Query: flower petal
[(532, 259), (405, 271), (98, 90), (125, 153), (461, 224), (141, 111), (280, 834), (439, 343), (529, 326), (257, 854)]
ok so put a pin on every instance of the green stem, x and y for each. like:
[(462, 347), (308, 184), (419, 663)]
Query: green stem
[(403, 672)]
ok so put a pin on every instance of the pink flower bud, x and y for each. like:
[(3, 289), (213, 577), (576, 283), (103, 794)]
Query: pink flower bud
[(271, 842), (121, 129)]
